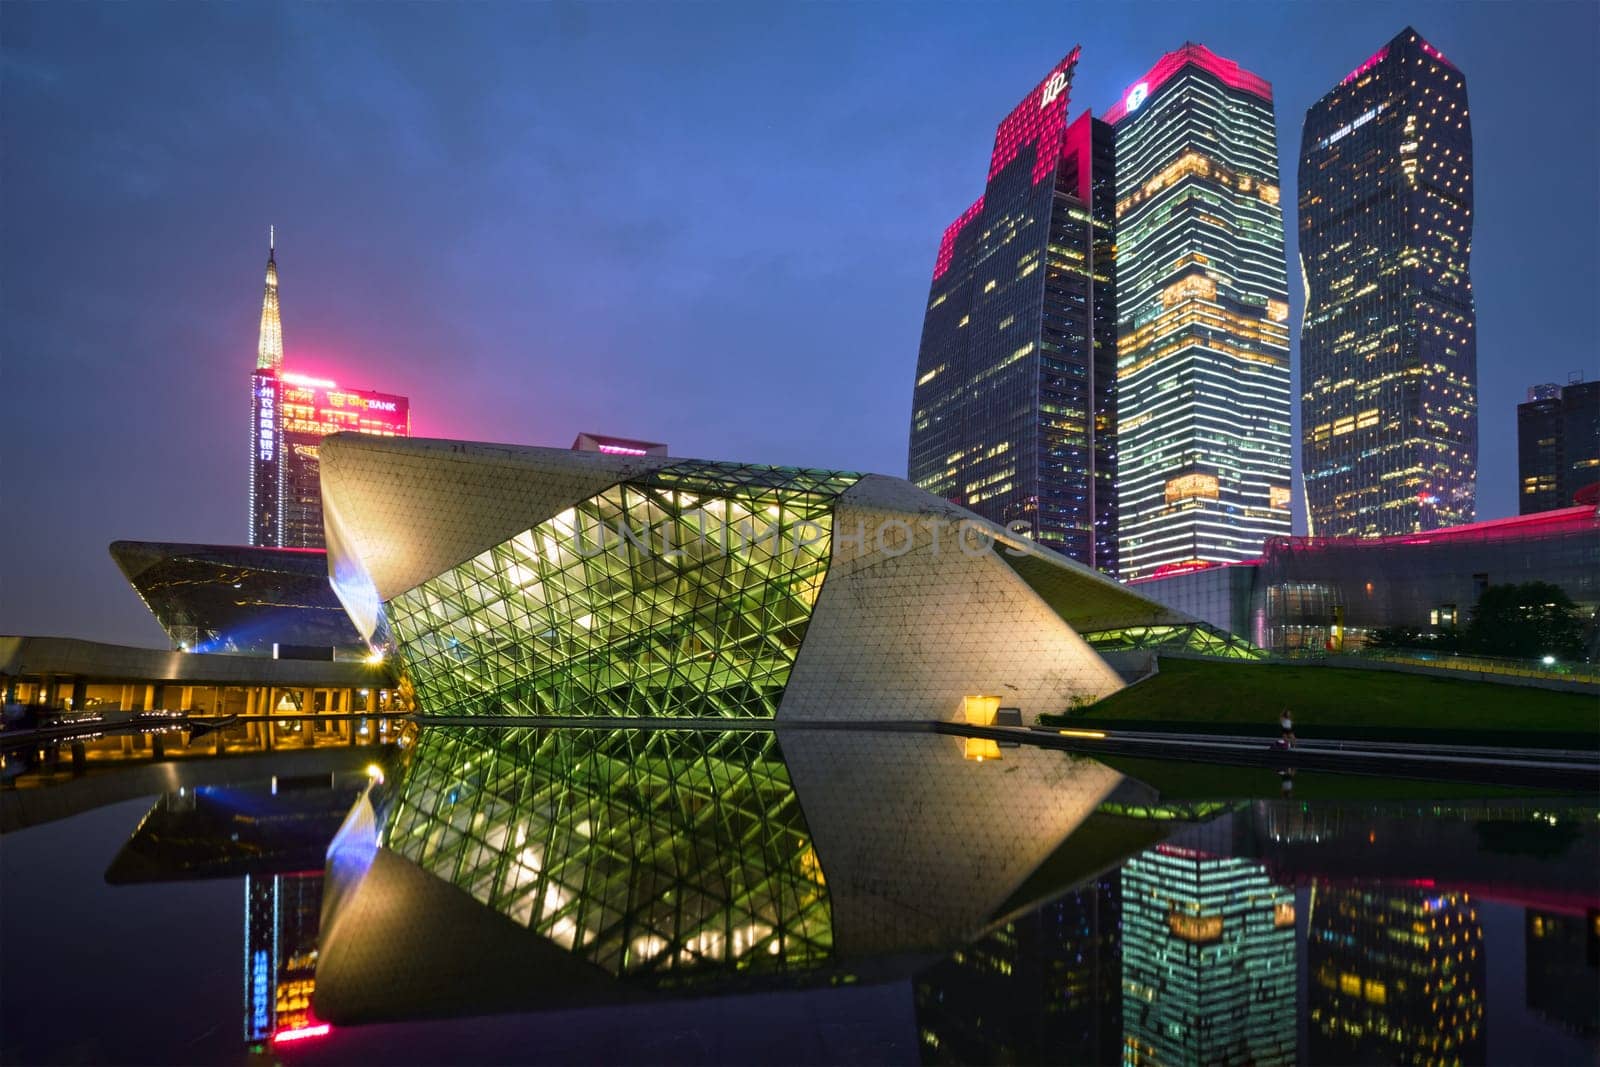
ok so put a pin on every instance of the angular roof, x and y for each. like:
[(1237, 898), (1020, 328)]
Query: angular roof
[(237, 598)]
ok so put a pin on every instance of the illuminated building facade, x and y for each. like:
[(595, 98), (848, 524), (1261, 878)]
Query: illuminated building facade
[(266, 434), (1558, 445), (551, 582), (289, 415), (1208, 961), (1395, 976), (309, 409), (1203, 395), (1014, 407), (1388, 348), (617, 446)]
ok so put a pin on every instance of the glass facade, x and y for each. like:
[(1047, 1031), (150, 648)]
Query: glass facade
[(226, 598), (1014, 407), (685, 592), (1322, 593), (1203, 403), (1558, 445), (1388, 348), (658, 855)]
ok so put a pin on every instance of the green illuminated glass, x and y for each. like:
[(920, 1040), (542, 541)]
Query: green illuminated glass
[(1191, 637), (662, 855), (685, 592)]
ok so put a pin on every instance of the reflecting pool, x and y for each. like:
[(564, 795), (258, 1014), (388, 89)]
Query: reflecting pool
[(796, 895)]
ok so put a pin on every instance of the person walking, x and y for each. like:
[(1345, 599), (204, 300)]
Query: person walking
[(1286, 724)]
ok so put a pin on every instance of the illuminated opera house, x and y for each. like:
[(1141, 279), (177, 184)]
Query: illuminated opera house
[(520, 581)]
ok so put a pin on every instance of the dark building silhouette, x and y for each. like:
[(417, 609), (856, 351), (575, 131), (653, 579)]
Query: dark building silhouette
[(1043, 988), (1558, 445)]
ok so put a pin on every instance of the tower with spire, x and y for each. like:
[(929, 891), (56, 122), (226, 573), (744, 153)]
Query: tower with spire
[(269, 352), (290, 414), (266, 417)]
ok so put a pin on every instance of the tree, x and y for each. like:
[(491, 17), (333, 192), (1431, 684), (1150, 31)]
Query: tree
[(1527, 621)]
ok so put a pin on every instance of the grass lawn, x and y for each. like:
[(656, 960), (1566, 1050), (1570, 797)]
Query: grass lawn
[(1190, 692)]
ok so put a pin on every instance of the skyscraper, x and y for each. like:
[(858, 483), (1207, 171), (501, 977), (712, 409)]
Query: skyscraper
[(266, 438), (1203, 394), (1014, 408), (290, 414), (1558, 445), (1388, 348)]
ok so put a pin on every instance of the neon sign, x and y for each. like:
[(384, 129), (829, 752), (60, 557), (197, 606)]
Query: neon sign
[(1053, 88), (1137, 94)]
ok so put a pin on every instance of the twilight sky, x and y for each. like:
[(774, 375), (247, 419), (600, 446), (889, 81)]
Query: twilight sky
[(712, 226)]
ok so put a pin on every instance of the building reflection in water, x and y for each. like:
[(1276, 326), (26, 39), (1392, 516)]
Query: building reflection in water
[(583, 865), (1563, 968), (1395, 977), (1208, 960), (1043, 988), (529, 869), (275, 834)]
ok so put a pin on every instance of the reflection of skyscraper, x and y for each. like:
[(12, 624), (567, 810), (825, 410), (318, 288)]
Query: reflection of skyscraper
[(1395, 977), (1044, 988), (1563, 961), (290, 414), (1208, 961), (282, 918)]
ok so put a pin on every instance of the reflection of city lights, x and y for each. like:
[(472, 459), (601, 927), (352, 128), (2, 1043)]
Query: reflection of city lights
[(1092, 734), (375, 657), (375, 772), (300, 1033)]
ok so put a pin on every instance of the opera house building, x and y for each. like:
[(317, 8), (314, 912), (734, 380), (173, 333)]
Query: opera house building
[(520, 581)]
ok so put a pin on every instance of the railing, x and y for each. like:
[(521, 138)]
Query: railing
[(1458, 661)]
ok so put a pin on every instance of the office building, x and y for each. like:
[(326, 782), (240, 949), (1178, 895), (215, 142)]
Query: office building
[(290, 414), (1388, 348), (1558, 445), (1203, 396), (1014, 407)]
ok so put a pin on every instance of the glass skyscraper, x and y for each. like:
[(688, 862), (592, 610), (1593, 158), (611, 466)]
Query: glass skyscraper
[(1014, 409), (1389, 408), (1558, 445), (1203, 393)]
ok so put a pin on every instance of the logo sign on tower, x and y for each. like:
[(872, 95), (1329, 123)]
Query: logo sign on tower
[(1053, 88), (1137, 94)]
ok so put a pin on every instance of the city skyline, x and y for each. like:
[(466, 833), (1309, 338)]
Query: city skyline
[(401, 288)]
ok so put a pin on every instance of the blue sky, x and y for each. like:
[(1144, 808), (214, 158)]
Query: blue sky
[(708, 225)]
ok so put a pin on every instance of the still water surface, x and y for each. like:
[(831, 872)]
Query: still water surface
[(808, 896)]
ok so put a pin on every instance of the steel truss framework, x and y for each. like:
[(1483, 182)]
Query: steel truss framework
[(683, 592), (662, 855), (1189, 637)]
